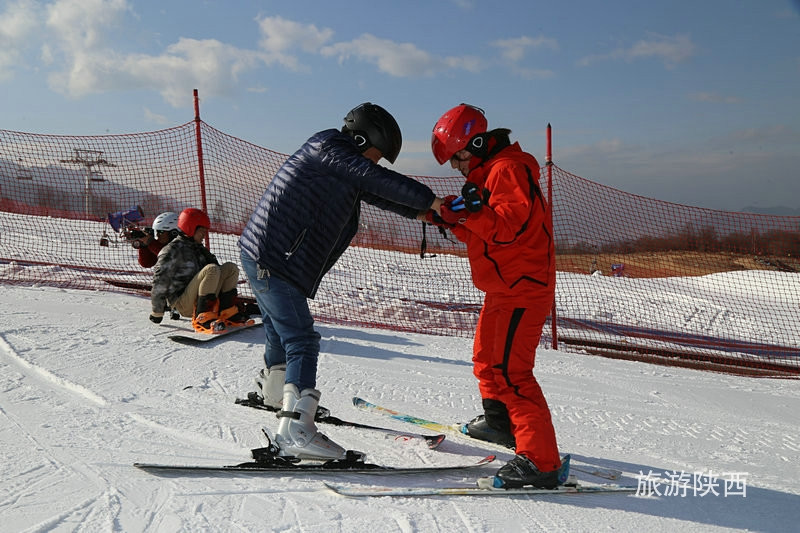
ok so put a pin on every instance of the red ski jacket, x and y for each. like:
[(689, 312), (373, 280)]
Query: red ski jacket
[(510, 240)]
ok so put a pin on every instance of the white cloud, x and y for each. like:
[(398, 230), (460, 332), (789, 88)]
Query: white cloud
[(671, 50), (17, 22), (397, 59), (209, 65), (154, 117), (78, 47), (514, 49), (80, 31), (280, 36), (84, 24), (47, 55)]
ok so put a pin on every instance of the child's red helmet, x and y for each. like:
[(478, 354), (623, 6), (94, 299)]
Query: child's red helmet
[(454, 130), (190, 219)]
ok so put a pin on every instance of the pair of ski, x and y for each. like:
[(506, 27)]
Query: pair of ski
[(323, 416), (268, 460)]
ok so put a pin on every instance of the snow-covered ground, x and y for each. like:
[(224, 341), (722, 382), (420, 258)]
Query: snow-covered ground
[(88, 386)]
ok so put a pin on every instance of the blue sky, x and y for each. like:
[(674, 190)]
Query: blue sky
[(693, 102)]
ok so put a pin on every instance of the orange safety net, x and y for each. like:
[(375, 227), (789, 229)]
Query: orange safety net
[(637, 278)]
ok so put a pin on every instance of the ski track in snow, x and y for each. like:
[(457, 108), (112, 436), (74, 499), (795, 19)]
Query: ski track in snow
[(100, 511), (88, 386), (56, 460)]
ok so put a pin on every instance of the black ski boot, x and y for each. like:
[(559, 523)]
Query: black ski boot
[(521, 471), (494, 426), (229, 312)]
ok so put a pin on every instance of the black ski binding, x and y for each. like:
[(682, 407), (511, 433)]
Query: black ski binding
[(255, 400), (269, 456)]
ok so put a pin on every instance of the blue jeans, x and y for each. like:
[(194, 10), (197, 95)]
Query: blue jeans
[(288, 324)]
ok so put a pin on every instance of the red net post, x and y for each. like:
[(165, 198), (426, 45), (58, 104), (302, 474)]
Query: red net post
[(201, 173)]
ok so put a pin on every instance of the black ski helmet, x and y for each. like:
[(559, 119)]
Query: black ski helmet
[(371, 125)]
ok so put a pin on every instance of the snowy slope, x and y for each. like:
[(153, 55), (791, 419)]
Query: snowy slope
[(88, 386)]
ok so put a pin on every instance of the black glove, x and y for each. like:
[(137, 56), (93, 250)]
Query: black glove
[(156, 319), (136, 233), (473, 197), (139, 237)]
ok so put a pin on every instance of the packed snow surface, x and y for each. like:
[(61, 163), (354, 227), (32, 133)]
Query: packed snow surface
[(90, 386)]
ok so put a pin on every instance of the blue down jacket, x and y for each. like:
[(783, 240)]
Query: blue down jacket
[(309, 213)]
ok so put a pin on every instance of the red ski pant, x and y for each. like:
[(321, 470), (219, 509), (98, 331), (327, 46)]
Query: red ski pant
[(504, 352)]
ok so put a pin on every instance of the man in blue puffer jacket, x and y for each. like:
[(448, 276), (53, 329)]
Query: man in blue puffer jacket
[(302, 225)]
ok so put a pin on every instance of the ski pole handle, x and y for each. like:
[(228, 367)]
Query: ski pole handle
[(457, 204)]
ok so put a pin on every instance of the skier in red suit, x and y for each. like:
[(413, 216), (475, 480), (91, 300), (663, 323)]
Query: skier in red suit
[(502, 217)]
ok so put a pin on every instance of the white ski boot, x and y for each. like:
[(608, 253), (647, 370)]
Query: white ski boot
[(297, 435), (270, 382)]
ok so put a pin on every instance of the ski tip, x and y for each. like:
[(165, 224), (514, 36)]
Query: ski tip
[(359, 402), (338, 489), (434, 441)]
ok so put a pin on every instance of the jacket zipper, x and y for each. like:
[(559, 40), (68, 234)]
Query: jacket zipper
[(296, 244)]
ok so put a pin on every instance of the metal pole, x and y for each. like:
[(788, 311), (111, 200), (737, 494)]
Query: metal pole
[(87, 191), (549, 164)]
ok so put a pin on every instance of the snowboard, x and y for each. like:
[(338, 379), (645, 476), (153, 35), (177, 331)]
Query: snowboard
[(194, 337)]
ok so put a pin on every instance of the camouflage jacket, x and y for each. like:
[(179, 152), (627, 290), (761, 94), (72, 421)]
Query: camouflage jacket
[(178, 262)]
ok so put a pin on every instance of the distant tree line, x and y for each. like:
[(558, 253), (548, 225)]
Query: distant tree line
[(773, 242)]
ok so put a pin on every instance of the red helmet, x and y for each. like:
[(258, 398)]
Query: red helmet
[(454, 130), (190, 219)]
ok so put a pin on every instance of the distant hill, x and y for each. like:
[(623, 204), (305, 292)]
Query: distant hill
[(776, 210)]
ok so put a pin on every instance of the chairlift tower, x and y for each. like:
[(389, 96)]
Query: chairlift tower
[(89, 159)]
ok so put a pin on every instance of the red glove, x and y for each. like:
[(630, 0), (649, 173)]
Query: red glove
[(432, 217), (453, 214)]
